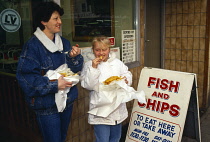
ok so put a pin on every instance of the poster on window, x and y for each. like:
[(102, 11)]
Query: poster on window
[(128, 46), (163, 117)]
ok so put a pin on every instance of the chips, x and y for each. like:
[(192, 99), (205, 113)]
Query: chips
[(110, 79), (67, 72)]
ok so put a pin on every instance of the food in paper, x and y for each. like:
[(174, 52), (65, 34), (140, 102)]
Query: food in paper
[(111, 79), (67, 72)]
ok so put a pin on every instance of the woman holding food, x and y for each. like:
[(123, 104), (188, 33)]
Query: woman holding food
[(45, 51), (104, 65)]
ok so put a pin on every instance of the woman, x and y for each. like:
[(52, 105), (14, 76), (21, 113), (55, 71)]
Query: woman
[(45, 51), (102, 66)]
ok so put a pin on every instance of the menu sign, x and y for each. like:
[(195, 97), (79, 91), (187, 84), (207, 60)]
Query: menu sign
[(128, 46), (162, 118)]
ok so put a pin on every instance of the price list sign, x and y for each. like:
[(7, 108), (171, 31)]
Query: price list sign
[(128, 46)]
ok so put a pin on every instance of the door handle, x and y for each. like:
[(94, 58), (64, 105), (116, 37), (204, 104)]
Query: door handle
[(147, 40)]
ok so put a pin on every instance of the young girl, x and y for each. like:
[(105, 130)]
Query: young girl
[(104, 65)]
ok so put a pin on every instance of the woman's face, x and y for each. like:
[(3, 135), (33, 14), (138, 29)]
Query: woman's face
[(101, 51), (53, 25)]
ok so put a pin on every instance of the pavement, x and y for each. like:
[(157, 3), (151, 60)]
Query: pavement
[(205, 126)]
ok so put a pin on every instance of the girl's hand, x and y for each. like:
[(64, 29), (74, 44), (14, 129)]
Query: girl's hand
[(126, 81), (95, 62), (75, 51), (62, 84)]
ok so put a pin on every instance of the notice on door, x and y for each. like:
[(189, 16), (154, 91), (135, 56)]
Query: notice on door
[(162, 118)]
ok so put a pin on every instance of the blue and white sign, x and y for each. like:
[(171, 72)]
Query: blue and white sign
[(10, 20)]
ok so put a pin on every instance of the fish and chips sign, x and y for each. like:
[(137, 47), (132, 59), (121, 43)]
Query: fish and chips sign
[(162, 118)]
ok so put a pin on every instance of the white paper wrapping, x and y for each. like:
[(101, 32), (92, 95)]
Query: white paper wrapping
[(112, 95), (61, 96)]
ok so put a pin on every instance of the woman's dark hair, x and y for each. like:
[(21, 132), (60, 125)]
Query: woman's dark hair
[(43, 12)]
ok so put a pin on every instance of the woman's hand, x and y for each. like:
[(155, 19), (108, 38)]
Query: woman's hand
[(95, 62), (62, 84), (75, 51)]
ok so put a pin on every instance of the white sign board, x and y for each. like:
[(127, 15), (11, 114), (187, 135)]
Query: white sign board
[(162, 118), (10, 20)]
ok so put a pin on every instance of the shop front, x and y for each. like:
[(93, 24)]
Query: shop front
[(82, 20)]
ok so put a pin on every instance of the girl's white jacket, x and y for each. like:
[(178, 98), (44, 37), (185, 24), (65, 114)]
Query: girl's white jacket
[(90, 78)]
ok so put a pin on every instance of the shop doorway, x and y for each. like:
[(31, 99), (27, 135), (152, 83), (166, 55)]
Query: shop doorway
[(153, 34)]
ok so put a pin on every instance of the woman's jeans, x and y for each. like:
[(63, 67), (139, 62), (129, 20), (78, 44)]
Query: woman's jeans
[(108, 133), (54, 127)]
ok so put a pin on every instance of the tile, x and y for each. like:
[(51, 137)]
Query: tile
[(203, 4), (195, 55), (196, 31), (82, 123), (185, 19), (183, 66), (179, 7), (198, 6), (173, 54), (184, 54), (189, 66), (184, 43), (202, 43), (179, 31), (168, 8), (167, 20), (195, 67), (203, 18), (173, 31), (167, 32), (185, 7), (179, 19), (201, 71), (173, 65), (190, 42), (184, 31), (178, 43), (178, 54), (173, 20), (167, 53), (191, 19), (190, 55), (201, 55), (191, 6), (196, 43), (197, 19), (167, 64), (167, 43), (173, 9), (81, 107), (202, 31), (178, 65)]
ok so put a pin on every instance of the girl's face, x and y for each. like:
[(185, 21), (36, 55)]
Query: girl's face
[(101, 51), (53, 25)]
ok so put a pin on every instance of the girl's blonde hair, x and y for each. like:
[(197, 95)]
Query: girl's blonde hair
[(102, 40)]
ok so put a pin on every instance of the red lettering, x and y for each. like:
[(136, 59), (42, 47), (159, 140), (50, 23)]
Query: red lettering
[(159, 106), (175, 86), (160, 95), (151, 81), (164, 84), (151, 104), (154, 94), (157, 84), (174, 110), (165, 106)]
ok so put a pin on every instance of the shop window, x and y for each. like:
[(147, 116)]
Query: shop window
[(118, 19)]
